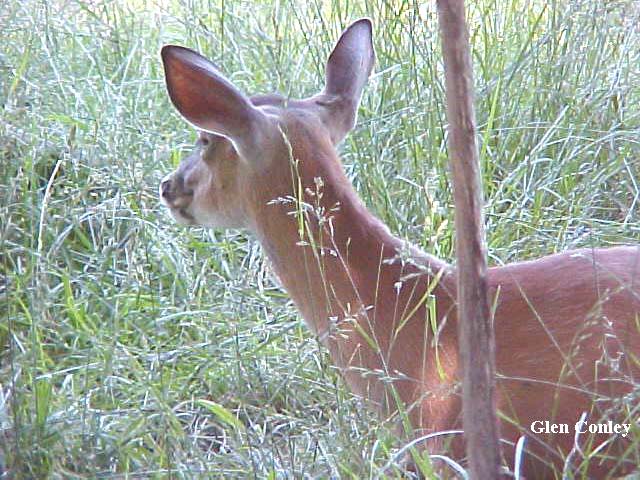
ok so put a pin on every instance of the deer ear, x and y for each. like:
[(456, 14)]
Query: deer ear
[(206, 99), (348, 69)]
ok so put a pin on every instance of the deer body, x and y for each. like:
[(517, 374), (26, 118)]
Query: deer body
[(566, 331)]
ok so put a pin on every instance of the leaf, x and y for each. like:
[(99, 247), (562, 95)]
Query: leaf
[(223, 414)]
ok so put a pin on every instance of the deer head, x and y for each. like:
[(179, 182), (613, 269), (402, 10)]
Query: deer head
[(244, 142)]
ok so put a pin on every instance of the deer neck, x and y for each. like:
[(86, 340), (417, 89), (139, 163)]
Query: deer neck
[(337, 260)]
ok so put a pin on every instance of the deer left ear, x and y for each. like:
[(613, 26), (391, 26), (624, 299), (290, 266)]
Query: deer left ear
[(209, 101), (347, 72)]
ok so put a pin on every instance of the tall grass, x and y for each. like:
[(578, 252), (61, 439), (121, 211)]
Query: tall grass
[(134, 348)]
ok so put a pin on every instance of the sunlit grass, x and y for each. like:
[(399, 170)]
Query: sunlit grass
[(132, 346)]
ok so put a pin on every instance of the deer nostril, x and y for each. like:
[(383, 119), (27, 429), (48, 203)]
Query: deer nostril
[(165, 187)]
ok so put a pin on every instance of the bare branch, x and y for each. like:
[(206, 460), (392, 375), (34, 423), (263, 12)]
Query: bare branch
[(476, 334)]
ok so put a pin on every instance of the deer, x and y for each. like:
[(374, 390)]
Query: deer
[(567, 328)]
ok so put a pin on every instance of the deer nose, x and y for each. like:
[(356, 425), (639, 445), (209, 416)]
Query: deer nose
[(173, 193), (165, 188)]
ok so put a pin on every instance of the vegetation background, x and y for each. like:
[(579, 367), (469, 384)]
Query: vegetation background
[(132, 348)]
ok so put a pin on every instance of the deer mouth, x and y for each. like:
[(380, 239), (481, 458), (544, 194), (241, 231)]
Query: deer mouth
[(183, 212), (179, 209), (181, 215)]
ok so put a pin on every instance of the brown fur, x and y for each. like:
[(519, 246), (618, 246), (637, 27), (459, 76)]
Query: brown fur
[(553, 319)]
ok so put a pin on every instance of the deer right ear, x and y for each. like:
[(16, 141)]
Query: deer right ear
[(348, 70), (206, 99)]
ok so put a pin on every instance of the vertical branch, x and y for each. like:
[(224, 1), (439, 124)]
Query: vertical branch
[(475, 328)]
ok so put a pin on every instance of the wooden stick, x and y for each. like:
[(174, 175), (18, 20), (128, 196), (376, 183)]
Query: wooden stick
[(477, 344)]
